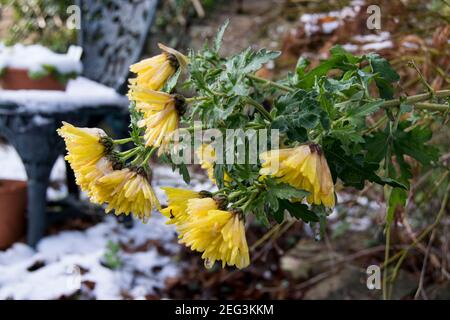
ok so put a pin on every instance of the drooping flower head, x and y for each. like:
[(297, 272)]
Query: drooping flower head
[(152, 73), (207, 157), (127, 191), (88, 154), (303, 167), (161, 114), (220, 235), (178, 200)]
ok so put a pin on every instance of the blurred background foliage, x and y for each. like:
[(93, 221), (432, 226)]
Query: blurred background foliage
[(38, 21), (44, 22)]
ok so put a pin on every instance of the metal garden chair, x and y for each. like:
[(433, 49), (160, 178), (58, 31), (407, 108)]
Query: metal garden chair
[(113, 34)]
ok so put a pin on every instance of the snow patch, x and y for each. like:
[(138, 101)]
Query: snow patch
[(35, 57), (80, 92)]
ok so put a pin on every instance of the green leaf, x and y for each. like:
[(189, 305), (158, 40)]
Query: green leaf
[(366, 109), (298, 210), (298, 112), (301, 66), (414, 143), (411, 143), (353, 169), (183, 170), (397, 199), (285, 191), (219, 36), (381, 66), (172, 82), (218, 174), (259, 59), (272, 200), (386, 75), (340, 59), (258, 209)]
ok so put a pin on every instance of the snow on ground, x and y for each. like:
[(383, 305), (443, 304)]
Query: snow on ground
[(71, 258), (330, 21), (73, 262)]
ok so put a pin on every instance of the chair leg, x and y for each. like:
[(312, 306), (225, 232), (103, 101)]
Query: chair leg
[(37, 210)]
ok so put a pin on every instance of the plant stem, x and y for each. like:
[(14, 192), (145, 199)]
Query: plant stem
[(417, 98), (123, 141), (431, 106), (250, 200), (235, 194), (195, 99), (148, 155), (266, 236), (128, 154), (386, 258), (260, 108), (402, 254), (271, 83)]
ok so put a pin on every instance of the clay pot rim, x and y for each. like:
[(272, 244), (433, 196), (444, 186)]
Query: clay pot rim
[(11, 186)]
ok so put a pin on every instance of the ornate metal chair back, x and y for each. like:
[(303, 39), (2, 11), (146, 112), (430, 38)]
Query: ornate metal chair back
[(113, 34)]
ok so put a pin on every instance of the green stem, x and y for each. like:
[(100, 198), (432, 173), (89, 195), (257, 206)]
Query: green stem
[(260, 108), (123, 141), (195, 99), (148, 155), (128, 154), (267, 235), (137, 159), (239, 202), (417, 98), (271, 83), (192, 129), (249, 201), (386, 258), (431, 106), (402, 254), (405, 251), (235, 194)]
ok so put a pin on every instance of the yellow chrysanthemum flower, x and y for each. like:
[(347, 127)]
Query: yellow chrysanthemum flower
[(153, 73), (87, 154), (220, 235), (197, 208), (127, 191), (177, 204), (207, 157), (161, 114), (303, 167)]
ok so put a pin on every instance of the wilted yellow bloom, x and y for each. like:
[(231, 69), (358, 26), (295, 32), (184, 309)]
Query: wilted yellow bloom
[(198, 208), (207, 156), (177, 204), (153, 73), (127, 191), (161, 114), (220, 235), (303, 167), (87, 150)]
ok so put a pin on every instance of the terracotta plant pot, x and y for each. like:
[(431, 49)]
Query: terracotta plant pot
[(17, 79), (13, 204)]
